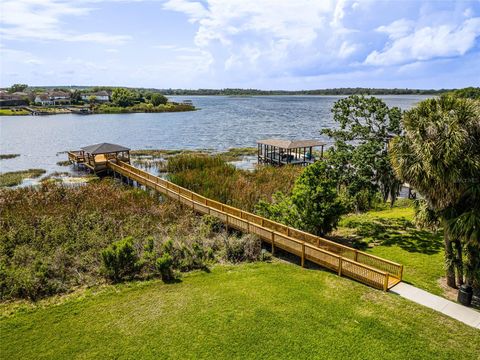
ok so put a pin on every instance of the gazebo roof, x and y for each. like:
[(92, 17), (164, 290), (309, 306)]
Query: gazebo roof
[(291, 144), (104, 148)]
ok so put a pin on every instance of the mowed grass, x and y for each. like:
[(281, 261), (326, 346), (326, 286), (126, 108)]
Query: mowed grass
[(260, 310), (395, 237)]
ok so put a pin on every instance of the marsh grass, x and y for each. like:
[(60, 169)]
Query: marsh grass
[(15, 178), (165, 153), (234, 154), (214, 178), (52, 236), (8, 156), (64, 163)]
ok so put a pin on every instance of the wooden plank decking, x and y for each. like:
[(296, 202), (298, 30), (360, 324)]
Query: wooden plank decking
[(363, 267)]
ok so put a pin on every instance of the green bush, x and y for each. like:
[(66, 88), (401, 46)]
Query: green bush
[(120, 260), (245, 248), (165, 267)]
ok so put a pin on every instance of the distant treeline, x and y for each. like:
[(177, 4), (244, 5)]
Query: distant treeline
[(335, 91), (247, 92)]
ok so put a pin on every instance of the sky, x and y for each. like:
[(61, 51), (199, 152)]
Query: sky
[(263, 44)]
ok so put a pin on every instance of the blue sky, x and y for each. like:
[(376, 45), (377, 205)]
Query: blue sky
[(266, 44)]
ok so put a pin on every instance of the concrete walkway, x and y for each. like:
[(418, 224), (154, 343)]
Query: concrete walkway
[(454, 310)]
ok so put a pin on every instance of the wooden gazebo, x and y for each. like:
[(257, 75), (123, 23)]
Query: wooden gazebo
[(95, 157), (283, 152)]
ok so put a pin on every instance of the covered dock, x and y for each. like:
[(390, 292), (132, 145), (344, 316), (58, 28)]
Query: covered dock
[(95, 157), (284, 152)]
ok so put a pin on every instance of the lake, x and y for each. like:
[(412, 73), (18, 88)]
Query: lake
[(220, 123)]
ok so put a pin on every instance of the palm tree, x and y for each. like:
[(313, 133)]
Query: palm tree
[(439, 155)]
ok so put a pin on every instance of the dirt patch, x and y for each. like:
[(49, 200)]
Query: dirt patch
[(448, 292)]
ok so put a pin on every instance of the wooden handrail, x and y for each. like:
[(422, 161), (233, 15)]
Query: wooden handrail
[(181, 193)]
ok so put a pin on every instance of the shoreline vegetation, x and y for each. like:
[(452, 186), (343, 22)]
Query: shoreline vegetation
[(21, 99), (100, 109), (8, 156), (14, 178)]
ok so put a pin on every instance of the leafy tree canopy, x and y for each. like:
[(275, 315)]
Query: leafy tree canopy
[(123, 97), (360, 151), (467, 93), (158, 99), (17, 88), (314, 205), (439, 155)]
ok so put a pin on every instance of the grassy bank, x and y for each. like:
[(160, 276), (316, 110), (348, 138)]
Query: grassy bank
[(13, 112), (263, 311), (14, 178), (142, 108)]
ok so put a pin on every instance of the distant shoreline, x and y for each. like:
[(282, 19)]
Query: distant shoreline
[(45, 111)]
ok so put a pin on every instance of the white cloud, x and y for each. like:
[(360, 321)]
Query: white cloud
[(270, 36), (397, 29), (42, 20), (193, 9), (413, 44)]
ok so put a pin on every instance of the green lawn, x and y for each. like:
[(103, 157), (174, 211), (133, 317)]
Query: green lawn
[(261, 310), (10, 112), (396, 238)]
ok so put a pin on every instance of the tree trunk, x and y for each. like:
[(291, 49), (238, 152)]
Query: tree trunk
[(458, 261), (449, 260)]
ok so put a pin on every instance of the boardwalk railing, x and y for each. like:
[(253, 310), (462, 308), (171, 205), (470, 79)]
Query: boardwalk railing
[(366, 268)]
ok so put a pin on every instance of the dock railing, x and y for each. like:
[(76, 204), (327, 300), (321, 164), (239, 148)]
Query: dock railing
[(361, 266)]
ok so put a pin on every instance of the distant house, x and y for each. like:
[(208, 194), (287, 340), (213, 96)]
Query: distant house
[(44, 100), (100, 96), (15, 99), (53, 98)]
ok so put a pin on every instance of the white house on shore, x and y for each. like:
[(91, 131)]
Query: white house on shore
[(53, 98), (100, 96)]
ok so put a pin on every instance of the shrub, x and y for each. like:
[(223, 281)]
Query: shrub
[(165, 267), (245, 248), (120, 260)]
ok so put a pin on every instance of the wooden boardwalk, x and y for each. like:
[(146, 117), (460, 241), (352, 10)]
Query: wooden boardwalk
[(358, 265)]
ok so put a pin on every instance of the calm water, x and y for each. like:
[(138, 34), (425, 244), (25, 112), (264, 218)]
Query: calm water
[(221, 123)]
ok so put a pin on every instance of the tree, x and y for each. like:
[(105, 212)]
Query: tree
[(361, 146), (439, 155), (158, 99), (17, 88), (314, 205), (76, 96), (467, 93), (123, 97)]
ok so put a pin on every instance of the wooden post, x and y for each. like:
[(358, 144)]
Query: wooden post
[(385, 283), (340, 263), (401, 272), (356, 255), (273, 243), (303, 254)]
